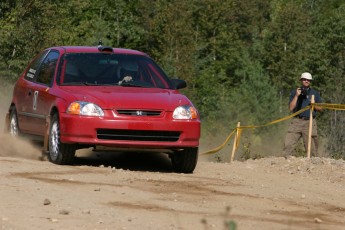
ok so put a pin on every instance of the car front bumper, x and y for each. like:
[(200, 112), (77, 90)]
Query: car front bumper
[(129, 132)]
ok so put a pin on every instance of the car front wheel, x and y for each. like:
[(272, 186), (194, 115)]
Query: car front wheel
[(185, 161), (59, 153)]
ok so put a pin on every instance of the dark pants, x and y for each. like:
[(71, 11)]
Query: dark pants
[(300, 128)]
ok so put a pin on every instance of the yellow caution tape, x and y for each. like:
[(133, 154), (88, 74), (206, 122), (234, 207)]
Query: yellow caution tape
[(276, 121), (331, 106), (212, 151), (239, 129), (221, 146)]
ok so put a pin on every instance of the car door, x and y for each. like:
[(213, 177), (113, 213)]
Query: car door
[(25, 94), (42, 99)]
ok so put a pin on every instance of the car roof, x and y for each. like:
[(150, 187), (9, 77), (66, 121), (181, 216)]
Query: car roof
[(95, 49)]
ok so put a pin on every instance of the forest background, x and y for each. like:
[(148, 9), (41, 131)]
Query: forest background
[(240, 58)]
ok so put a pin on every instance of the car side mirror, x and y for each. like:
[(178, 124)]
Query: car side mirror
[(179, 83)]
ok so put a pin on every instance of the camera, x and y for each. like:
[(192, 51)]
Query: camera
[(304, 91)]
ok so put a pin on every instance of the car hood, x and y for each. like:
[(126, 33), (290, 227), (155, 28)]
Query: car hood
[(128, 97)]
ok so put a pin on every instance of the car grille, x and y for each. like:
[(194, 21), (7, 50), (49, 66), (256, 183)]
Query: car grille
[(139, 112), (137, 135)]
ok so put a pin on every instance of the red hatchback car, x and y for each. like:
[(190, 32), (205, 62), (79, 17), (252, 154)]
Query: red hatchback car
[(80, 97)]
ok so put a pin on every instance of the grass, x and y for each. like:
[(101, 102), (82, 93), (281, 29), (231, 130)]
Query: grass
[(229, 224)]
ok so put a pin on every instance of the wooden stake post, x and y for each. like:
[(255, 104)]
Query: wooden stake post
[(235, 142), (310, 125)]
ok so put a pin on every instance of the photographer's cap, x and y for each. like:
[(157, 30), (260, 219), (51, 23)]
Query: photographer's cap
[(307, 76)]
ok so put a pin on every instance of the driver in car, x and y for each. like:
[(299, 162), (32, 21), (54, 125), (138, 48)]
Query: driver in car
[(126, 79)]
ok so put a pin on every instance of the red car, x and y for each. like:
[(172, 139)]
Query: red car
[(80, 97)]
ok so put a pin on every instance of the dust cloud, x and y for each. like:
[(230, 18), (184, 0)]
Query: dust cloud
[(16, 147), (11, 146)]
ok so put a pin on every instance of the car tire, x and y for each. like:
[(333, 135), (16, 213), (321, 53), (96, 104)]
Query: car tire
[(59, 153), (185, 161), (13, 128)]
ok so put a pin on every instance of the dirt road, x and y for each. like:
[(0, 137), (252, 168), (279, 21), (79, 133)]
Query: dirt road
[(139, 191)]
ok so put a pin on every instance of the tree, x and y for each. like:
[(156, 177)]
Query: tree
[(329, 62), (288, 42)]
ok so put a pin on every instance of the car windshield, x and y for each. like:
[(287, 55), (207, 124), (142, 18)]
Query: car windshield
[(111, 69)]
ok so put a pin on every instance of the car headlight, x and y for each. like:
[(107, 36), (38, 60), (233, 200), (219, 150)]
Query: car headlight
[(85, 109), (185, 112)]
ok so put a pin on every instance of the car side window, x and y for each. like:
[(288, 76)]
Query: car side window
[(47, 69), (32, 70)]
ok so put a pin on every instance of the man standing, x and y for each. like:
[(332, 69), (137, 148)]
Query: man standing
[(299, 126)]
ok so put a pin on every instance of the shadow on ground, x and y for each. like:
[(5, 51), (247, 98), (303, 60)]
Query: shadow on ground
[(134, 161)]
